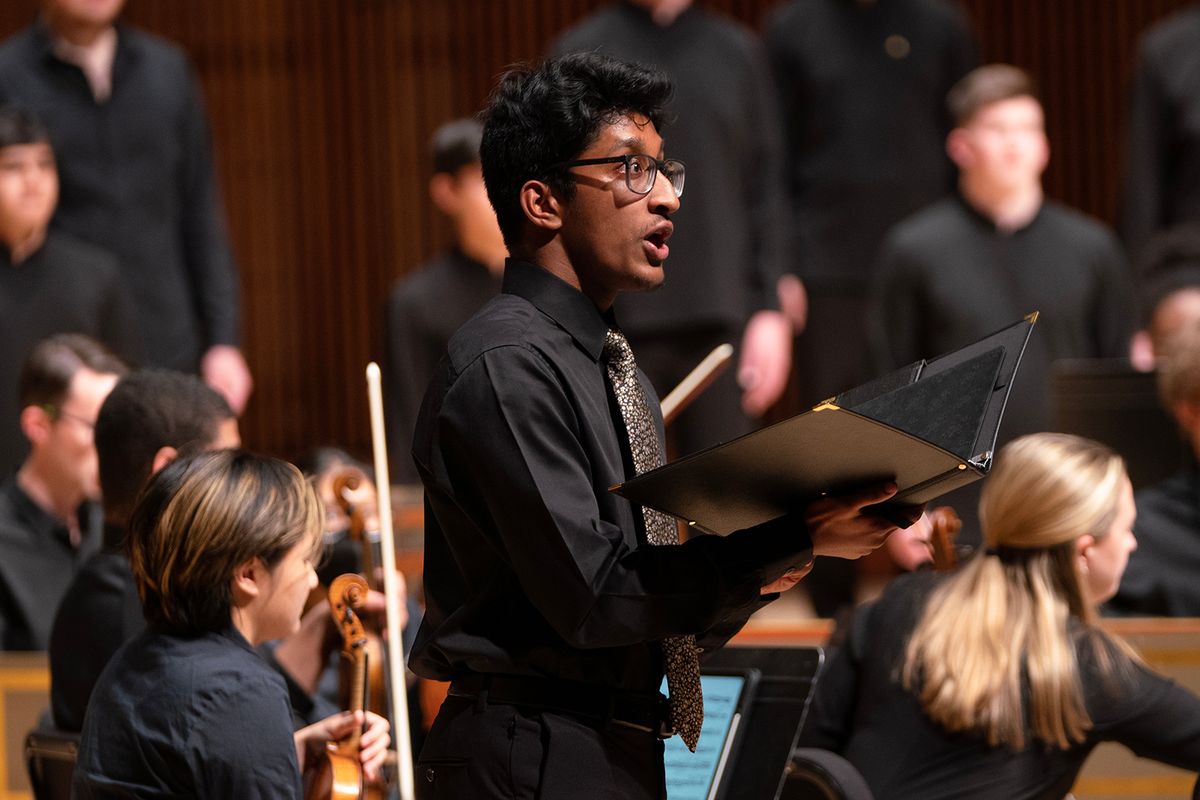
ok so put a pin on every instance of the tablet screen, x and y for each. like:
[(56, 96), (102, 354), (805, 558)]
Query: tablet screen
[(697, 776)]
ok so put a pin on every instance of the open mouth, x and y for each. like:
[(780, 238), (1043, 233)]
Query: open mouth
[(656, 244)]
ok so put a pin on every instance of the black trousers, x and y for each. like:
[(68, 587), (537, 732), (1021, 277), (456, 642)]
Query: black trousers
[(481, 751)]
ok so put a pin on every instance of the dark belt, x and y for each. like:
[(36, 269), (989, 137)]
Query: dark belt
[(650, 713)]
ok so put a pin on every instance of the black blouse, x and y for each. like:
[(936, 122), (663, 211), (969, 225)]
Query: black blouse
[(861, 711), (188, 716)]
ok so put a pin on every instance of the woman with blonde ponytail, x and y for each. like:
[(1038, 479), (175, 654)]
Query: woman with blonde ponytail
[(996, 681)]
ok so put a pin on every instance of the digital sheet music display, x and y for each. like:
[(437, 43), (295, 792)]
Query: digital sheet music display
[(692, 776)]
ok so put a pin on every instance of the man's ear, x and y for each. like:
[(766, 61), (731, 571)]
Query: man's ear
[(165, 455), (541, 205), (442, 193), (246, 581), (959, 148), (35, 424)]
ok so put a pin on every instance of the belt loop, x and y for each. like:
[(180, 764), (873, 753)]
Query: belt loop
[(481, 697)]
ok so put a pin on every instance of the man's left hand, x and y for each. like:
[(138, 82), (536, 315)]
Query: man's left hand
[(765, 362)]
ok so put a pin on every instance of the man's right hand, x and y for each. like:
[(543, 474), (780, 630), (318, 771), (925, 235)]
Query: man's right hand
[(838, 527)]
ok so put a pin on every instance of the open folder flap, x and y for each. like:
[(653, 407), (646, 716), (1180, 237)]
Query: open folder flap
[(931, 428)]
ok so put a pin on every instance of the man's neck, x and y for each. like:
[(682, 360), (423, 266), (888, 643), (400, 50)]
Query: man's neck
[(91, 49), (77, 34), (554, 260), (1008, 209), (24, 244), (52, 498), (664, 13)]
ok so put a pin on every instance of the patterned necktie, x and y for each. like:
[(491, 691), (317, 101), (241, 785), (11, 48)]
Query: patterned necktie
[(680, 653)]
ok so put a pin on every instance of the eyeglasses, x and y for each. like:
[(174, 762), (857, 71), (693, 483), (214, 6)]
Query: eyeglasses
[(58, 413), (640, 170)]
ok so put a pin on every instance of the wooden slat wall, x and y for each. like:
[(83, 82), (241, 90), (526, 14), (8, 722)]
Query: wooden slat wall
[(321, 109)]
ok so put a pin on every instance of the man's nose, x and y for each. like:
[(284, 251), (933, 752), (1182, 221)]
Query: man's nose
[(662, 195)]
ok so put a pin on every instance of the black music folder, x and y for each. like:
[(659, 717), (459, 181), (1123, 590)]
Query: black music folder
[(931, 427)]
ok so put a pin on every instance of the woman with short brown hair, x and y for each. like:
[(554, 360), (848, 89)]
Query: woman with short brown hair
[(222, 547)]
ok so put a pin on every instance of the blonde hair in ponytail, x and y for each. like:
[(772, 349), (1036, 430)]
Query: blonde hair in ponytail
[(1001, 621)]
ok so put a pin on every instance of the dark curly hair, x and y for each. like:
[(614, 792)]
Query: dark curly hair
[(19, 126), (541, 115)]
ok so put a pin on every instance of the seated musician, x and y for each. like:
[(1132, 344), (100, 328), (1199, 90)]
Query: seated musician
[(996, 681), (222, 548), (147, 418), (1162, 575), (50, 522)]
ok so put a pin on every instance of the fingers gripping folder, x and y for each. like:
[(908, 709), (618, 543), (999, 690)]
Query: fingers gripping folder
[(931, 427)]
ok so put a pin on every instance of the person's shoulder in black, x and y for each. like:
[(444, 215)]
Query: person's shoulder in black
[(1086, 233), (91, 287), (1174, 37), (428, 305), (99, 612), (871, 644), (1132, 704), (1161, 577), (37, 561), (424, 309), (19, 55), (927, 229), (202, 715)]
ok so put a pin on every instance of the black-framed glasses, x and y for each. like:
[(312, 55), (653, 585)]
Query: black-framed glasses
[(640, 170), (57, 413)]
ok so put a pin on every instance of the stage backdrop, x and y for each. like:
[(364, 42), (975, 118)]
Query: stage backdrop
[(321, 110)]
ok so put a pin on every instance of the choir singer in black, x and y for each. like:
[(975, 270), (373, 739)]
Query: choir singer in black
[(549, 607)]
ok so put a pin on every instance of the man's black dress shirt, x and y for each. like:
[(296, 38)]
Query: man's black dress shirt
[(1162, 186), (423, 312), (188, 716), (861, 710), (532, 566), (1163, 576), (137, 179), (99, 613), (66, 286), (37, 562)]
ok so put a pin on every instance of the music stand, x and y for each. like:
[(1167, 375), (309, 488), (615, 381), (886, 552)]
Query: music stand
[(1107, 400), (770, 726)]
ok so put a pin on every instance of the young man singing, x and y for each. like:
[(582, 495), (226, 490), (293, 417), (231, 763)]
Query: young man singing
[(555, 607)]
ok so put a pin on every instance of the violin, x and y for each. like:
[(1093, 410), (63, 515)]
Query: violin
[(946, 525), (338, 775), (353, 494)]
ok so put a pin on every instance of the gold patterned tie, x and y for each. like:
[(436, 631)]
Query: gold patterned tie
[(680, 653)]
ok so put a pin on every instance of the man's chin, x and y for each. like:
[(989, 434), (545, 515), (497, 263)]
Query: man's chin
[(650, 278)]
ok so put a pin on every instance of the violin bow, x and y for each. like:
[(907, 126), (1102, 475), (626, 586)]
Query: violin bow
[(696, 381), (391, 590)]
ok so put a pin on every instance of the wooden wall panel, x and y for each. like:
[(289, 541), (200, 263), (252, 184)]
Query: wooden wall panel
[(321, 109)]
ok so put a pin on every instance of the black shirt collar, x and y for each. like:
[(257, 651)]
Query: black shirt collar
[(35, 519), (560, 301), (987, 222), (646, 16), (44, 38)]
